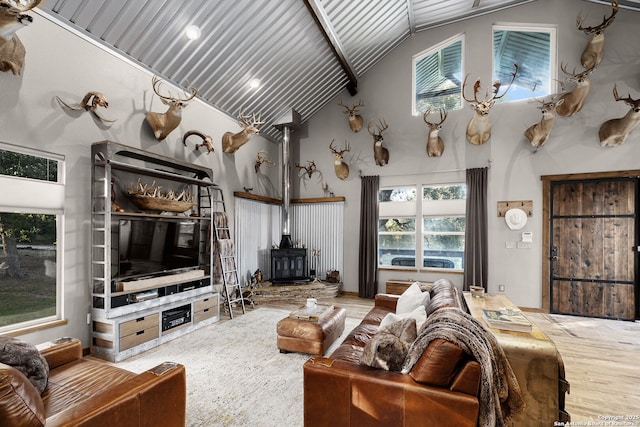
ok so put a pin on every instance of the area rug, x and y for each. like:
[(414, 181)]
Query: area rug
[(236, 376)]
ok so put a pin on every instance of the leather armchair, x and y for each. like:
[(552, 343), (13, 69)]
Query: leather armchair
[(82, 391)]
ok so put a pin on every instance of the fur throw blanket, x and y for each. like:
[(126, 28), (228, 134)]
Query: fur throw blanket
[(500, 394), (26, 359)]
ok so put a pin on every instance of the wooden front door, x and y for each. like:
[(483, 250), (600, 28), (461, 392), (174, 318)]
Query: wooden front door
[(593, 248)]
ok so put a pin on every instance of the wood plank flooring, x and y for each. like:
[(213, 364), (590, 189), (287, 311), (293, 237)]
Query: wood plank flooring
[(601, 358)]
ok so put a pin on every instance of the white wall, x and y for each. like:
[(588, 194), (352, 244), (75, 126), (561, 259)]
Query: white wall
[(515, 170), (60, 63)]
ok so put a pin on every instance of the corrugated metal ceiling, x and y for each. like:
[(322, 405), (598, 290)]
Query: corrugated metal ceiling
[(300, 64)]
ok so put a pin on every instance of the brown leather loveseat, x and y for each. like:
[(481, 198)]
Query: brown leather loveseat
[(82, 391), (440, 390)]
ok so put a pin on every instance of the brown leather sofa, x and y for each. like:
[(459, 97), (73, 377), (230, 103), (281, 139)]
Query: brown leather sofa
[(82, 391), (441, 390)]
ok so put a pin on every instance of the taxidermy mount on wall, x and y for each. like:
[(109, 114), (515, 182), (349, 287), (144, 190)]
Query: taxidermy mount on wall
[(435, 144), (231, 142), (342, 169), (12, 18), (380, 154), (310, 169), (615, 131), (90, 102), (479, 127), (355, 120), (164, 123), (207, 142), (261, 158), (538, 133), (574, 100), (593, 51)]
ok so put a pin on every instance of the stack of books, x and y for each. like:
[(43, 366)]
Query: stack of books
[(506, 319)]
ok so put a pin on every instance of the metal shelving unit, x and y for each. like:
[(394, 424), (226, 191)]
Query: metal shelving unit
[(134, 313)]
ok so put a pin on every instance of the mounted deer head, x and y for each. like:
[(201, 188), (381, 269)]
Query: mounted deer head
[(538, 133), (90, 102), (380, 154), (231, 142), (592, 53), (310, 169), (12, 18), (574, 100), (355, 120), (342, 169), (261, 158), (435, 145), (614, 132), (164, 123), (207, 141), (479, 127)]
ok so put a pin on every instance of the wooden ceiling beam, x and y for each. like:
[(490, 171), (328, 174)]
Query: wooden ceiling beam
[(324, 24)]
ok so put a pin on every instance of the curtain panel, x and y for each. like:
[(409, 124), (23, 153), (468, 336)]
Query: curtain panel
[(368, 250), (476, 234)]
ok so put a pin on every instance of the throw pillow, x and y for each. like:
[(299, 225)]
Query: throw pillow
[(411, 298), (388, 348), (25, 358), (419, 314)]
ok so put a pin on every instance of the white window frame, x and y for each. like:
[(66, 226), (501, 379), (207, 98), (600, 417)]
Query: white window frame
[(553, 49), (418, 210), (434, 49), (27, 195)]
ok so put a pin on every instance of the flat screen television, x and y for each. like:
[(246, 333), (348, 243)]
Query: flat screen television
[(155, 246)]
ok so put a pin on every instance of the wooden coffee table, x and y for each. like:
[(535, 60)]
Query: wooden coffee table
[(535, 361), (312, 335)]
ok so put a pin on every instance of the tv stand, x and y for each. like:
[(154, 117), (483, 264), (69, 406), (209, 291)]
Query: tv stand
[(148, 290)]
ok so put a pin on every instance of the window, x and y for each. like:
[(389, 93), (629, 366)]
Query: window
[(533, 49), (432, 225), (437, 77), (30, 236), (443, 216)]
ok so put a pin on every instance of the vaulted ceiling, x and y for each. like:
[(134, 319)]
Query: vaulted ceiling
[(303, 52)]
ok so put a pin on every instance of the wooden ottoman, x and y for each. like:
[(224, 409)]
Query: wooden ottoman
[(311, 336)]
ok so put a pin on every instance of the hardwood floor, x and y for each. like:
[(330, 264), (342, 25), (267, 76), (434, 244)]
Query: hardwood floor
[(601, 358)]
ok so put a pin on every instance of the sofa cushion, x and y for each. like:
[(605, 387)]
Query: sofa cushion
[(25, 358), (419, 314), (20, 402), (388, 348), (438, 364), (412, 298)]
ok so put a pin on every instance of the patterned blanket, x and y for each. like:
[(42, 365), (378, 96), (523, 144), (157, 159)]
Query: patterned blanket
[(500, 394)]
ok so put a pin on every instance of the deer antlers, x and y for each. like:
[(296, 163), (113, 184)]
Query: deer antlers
[(231, 142), (592, 53), (435, 145), (355, 120), (164, 123), (261, 158), (156, 83), (310, 169), (341, 168), (615, 131), (479, 127)]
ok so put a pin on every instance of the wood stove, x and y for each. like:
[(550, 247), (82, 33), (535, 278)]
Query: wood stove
[(288, 265)]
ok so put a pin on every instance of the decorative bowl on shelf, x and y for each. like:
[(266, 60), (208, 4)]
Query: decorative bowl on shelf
[(160, 204)]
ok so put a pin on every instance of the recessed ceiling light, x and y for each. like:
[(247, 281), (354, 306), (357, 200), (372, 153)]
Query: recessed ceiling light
[(254, 83), (192, 32)]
